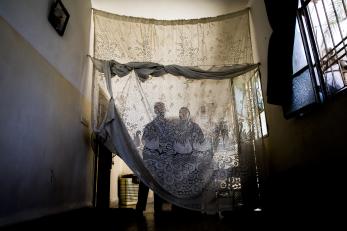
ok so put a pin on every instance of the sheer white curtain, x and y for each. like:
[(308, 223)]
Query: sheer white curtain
[(194, 142)]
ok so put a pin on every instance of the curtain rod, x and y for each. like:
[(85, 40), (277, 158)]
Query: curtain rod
[(213, 18)]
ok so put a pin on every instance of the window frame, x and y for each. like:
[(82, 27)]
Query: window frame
[(314, 63)]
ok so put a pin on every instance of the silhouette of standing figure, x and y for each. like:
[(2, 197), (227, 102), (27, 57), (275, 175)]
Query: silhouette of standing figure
[(156, 139)]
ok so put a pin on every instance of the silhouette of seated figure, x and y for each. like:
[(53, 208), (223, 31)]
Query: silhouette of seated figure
[(188, 135)]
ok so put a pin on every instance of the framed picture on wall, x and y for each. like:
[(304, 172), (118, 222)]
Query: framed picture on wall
[(58, 17)]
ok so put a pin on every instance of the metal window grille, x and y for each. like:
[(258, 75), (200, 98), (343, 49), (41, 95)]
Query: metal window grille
[(320, 54)]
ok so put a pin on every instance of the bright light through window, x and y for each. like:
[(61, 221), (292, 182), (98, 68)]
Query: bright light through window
[(263, 123)]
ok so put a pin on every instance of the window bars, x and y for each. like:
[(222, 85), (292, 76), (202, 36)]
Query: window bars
[(320, 54)]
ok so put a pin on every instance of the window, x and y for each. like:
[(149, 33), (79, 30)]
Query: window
[(319, 56), (260, 103)]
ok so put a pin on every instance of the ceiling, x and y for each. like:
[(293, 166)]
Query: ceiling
[(170, 9)]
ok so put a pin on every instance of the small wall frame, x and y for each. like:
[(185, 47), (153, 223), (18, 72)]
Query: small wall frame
[(58, 17)]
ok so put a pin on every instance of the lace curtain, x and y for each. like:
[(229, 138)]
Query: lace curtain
[(194, 142)]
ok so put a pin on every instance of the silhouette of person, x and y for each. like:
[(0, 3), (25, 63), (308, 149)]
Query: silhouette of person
[(189, 140), (156, 141), (188, 134), (157, 134)]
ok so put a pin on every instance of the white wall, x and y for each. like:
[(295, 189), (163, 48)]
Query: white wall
[(46, 163), (68, 53), (261, 31)]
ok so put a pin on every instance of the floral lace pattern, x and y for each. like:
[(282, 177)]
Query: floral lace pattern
[(188, 132), (215, 41)]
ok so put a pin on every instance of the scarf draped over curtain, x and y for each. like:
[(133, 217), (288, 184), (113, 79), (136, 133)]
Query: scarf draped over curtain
[(189, 131)]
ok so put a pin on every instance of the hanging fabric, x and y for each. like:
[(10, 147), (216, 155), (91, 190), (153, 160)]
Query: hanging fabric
[(190, 131)]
